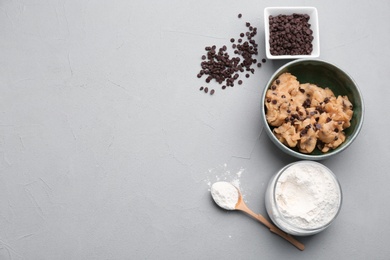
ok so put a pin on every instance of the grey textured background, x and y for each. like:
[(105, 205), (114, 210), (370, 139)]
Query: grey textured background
[(108, 148)]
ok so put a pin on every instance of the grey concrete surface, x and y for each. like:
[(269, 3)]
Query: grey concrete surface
[(108, 148)]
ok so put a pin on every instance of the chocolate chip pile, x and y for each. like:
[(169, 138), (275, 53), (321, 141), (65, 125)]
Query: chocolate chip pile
[(290, 35), (225, 69)]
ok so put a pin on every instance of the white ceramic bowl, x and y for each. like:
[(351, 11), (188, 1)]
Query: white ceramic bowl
[(275, 11)]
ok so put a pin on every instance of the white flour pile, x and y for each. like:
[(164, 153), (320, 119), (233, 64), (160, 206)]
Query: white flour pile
[(225, 195), (307, 195)]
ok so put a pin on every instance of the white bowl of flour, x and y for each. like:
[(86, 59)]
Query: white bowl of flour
[(303, 198)]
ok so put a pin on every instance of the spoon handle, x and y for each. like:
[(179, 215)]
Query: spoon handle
[(288, 237), (274, 229)]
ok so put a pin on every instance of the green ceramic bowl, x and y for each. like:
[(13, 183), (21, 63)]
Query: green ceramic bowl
[(323, 74)]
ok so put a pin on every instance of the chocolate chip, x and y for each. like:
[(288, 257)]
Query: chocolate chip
[(273, 87), (274, 102), (306, 103), (263, 60), (232, 40), (283, 96), (258, 65), (248, 24), (247, 75), (203, 57), (212, 92), (277, 82), (206, 89), (239, 15), (268, 100), (201, 88), (223, 87), (328, 119)]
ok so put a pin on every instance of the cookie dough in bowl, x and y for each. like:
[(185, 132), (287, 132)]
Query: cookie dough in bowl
[(311, 109)]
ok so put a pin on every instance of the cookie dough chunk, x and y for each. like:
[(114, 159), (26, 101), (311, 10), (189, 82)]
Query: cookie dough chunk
[(287, 134), (278, 98)]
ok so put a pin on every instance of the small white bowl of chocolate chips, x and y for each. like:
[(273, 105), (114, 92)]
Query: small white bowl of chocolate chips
[(291, 32)]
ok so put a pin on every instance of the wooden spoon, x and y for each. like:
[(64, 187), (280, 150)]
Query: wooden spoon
[(240, 205)]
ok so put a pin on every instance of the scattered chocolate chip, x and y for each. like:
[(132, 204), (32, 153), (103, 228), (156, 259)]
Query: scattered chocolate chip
[(328, 119), (239, 82), (258, 65), (273, 87), (283, 96), (223, 87), (239, 15), (247, 75), (218, 65), (263, 60), (277, 82), (206, 89), (268, 100), (274, 102), (201, 88), (212, 92)]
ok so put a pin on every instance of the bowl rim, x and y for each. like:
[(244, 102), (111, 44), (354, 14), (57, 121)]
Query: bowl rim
[(292, 152), (315, 23)]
